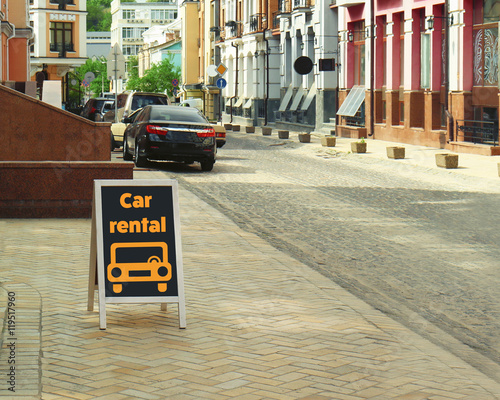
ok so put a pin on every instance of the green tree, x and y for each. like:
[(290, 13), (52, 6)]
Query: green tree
[(158, 79), (98, 67), (99, 15)]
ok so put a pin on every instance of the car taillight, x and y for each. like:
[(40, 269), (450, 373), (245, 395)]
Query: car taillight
[(209, 132), (158, 130)]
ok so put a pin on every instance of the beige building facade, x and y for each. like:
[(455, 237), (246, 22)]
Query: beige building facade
[(60, 41)]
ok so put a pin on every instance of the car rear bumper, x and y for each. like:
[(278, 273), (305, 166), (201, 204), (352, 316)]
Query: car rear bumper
[(178, 152)]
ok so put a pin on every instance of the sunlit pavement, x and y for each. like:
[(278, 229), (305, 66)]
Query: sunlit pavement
[(260, 325)]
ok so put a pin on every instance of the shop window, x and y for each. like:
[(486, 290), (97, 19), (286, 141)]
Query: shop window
[(485, 42)]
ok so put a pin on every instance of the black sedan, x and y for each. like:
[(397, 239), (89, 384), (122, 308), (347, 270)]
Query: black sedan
[(170, 133)]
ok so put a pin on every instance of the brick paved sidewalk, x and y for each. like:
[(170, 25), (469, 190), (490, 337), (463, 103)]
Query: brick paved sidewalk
[(260, 325)]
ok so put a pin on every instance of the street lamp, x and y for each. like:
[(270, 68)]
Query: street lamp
[(430, 21)]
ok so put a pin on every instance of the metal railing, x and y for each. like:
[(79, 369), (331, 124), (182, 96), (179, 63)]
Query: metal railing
[(276, 20), (233, 29), (284, 6), (258, 22), (478, 132), (61, 48), (301, 4)]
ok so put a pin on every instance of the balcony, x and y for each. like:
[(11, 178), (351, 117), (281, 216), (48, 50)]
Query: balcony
[(301, 4), (258, 22), (61, 48), (234, 29), (285, 6)]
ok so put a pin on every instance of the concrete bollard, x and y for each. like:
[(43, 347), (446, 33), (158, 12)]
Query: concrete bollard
[(283, 134), (329, 141)]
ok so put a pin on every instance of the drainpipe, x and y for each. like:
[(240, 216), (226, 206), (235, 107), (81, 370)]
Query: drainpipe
[(449, 116), (8, 52), (237, 74), (30, 41), (372, 66), (266, 95)]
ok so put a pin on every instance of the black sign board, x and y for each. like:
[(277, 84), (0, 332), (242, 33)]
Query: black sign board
[(327, 64), (303, 65), (136, 231)]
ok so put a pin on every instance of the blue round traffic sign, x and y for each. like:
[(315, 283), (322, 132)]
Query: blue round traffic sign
[(221, 83)]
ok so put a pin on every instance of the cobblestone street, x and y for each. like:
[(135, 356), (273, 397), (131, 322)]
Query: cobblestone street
[(415, 242)]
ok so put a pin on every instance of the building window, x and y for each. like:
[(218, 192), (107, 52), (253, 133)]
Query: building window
[(425, 54), (128, 14), (158, 14), (61, 37), (133, 33), (401, 107), (359, 52), (485, 42), (127, 33), (61, 3), (163, 14), (131, 50)]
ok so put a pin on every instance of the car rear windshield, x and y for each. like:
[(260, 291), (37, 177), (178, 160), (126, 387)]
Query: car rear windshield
[(178, 114), (141, 101), (99, 103)]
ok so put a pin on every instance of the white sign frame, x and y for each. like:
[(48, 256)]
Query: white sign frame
[(97, 267)]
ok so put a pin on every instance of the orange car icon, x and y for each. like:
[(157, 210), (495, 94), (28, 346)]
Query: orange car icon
[(155, 269)]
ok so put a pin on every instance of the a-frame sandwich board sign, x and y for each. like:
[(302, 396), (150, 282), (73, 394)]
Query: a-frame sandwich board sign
[(136, 252)]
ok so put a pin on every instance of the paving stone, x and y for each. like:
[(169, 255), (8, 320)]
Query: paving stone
[(260, 325)]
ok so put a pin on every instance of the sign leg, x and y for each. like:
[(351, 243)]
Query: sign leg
[(92, 263), (182, 315), (102, 316)]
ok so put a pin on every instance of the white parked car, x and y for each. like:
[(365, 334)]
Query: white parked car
[(197, 103)]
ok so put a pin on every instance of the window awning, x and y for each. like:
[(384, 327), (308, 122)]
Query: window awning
[(309, 98), (297, 98), (348, 3), (286, 99), (353, 101), (248, 104), (239, 102)]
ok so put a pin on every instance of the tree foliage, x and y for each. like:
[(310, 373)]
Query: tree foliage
[(99, 15), (158, 79), (99, 68)]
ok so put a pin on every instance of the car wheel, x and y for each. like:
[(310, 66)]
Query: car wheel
[(126, 155), (207, 165), (140, 161)]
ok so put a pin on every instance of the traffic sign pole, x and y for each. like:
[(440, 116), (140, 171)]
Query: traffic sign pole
[(116, 65)]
